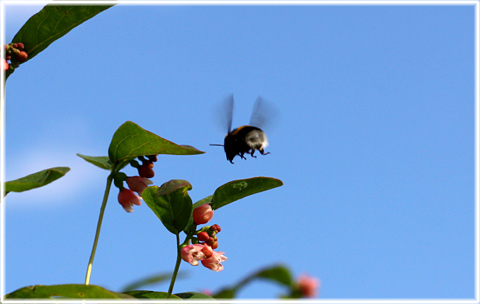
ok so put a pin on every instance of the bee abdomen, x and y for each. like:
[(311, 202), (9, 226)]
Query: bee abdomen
[(256, 139)]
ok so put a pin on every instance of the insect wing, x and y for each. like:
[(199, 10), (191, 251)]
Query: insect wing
[(224, 113), (262, 114)]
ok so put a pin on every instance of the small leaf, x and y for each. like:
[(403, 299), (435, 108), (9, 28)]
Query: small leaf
[(130, 141), (35, 180), (73, 291), (51, 23), (171, 203), (279, 274), (193, 295), (153, 279), (99, 161), (147, 294), (225, 293), (238, 189)]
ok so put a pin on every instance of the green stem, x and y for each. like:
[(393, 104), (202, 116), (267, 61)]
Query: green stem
[(177, 267), (99, 225)]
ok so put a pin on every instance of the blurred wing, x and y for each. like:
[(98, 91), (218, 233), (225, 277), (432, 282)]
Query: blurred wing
[(263, 113), (229, 111), (224, 113)]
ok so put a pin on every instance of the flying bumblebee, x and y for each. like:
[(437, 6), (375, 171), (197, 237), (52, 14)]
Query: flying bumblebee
[(245, 139)]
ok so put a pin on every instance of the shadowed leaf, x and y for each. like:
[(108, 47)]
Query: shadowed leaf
[(171, 203), (99, 161)]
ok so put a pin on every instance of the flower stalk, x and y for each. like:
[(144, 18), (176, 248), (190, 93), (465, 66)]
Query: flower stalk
[(177, 266), (99, 225)]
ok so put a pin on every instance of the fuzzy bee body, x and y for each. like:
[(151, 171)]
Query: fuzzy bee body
[(245, 139), (248, 138)]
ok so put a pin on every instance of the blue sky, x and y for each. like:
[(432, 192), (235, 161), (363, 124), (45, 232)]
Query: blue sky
[(374, 142)]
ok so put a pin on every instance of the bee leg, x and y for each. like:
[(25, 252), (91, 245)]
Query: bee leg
[(253, 151), (263, 152), (241, 155)]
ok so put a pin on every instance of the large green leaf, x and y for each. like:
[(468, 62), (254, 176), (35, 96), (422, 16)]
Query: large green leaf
[(35, 180), (130, 141), (241, 188), (193, 295), (74, 291), (99, 161), (51, 23), (147, 294), (171, 203)]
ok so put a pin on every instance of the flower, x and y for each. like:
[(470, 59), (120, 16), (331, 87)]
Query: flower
[(202, 214), (138, 184), (193, 253), (308, 285), (127, 198), (215, 261)]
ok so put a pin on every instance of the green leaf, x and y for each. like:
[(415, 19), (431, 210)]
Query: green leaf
[(35, 180), (130, 141), (51, 23), (99, 161), (226, 293), (74, 291), (193, 295), (153, 279), (241, 188), (279, 274), (171, 203), (147, 294)]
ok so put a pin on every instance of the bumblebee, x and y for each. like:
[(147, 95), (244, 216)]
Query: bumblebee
[(245, 139)]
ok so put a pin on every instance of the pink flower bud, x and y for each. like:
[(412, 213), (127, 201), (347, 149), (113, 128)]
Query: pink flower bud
[(203, 236), (202, 214), (22, 56), (138, 184), (215, 228), (127, 198), (308, 286), (215, 261)]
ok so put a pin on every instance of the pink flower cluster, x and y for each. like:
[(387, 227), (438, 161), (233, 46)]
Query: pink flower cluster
[(203, 251), (205, 254), (127, 197)]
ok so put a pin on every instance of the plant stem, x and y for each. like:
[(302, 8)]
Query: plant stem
[(99, 225), (177, 266)]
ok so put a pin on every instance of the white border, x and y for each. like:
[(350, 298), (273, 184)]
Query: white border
[(474, 3)]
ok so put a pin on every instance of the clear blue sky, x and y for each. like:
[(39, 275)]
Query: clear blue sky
[(374, 144)]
